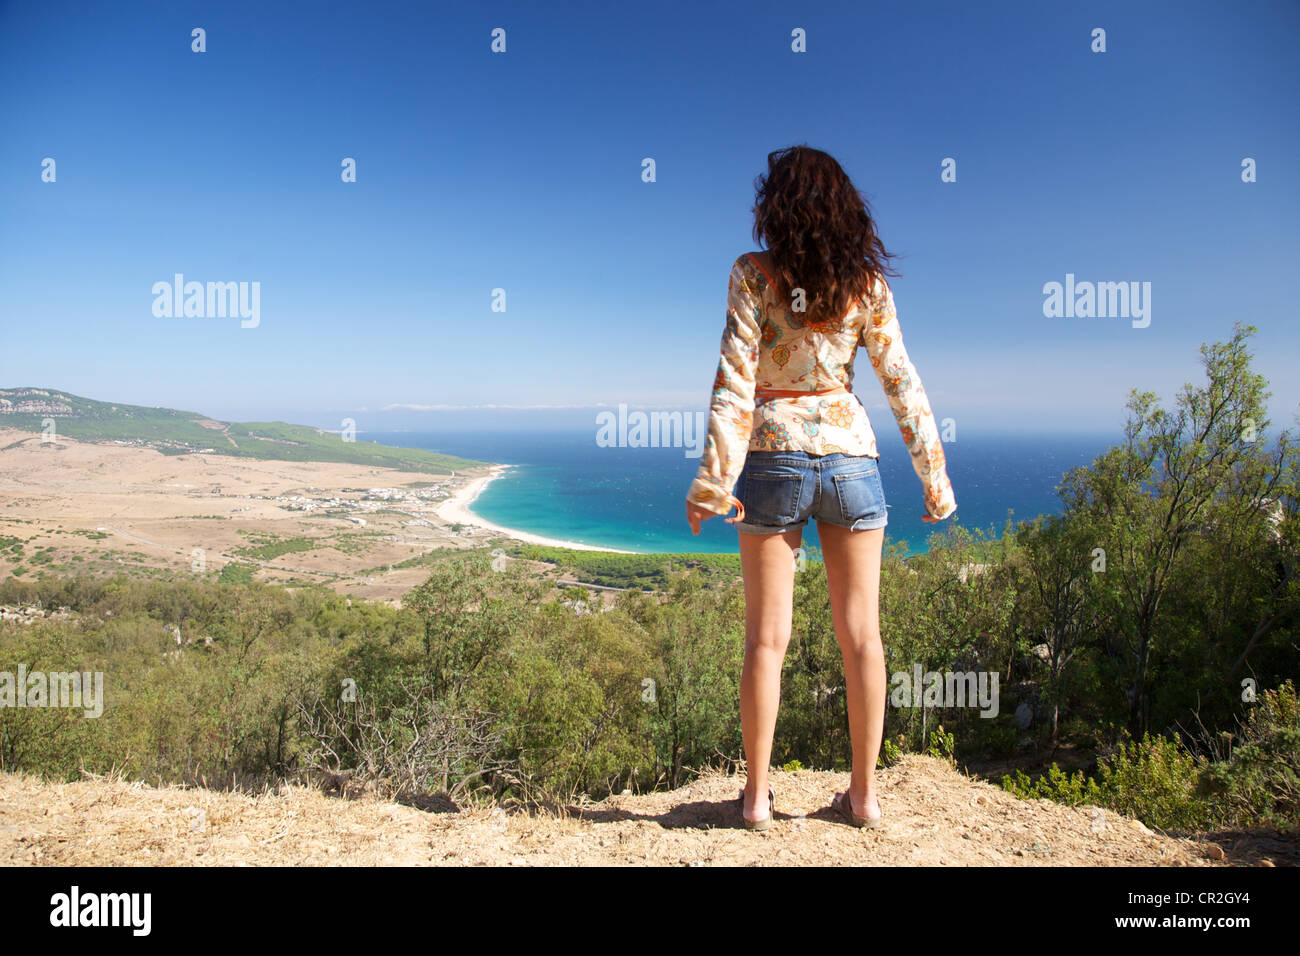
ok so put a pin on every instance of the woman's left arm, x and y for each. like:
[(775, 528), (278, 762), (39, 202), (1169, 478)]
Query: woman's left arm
[(731, 410)]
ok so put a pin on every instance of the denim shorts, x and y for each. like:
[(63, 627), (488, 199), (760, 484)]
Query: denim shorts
[(781, 490)]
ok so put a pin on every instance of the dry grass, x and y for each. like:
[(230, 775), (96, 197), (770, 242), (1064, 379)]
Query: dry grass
[(936, 817)]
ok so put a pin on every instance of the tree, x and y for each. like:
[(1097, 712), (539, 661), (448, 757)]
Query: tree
[(1175, 474), (1060, 581), (468, 611)]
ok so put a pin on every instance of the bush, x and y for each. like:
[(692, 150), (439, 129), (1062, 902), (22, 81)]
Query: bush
[(1259, 784), (237, 573), (1153, 780)]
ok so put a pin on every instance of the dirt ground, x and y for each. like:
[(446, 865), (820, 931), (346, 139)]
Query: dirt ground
[(104, 507), (935, 816)]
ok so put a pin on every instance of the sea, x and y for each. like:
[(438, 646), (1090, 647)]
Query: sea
[(564, 485)]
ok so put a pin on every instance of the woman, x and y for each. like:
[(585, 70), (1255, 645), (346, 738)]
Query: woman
[(788, 436)]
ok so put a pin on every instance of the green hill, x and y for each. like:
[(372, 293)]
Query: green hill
[(175, 432)]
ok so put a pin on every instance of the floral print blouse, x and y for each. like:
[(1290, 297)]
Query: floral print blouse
[(768, 347)]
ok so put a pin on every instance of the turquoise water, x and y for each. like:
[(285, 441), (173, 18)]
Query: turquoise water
[(565, 486)]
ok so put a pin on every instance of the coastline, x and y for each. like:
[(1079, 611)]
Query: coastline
[(456, 510)]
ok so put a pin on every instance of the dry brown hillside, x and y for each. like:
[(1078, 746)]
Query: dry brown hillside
[(936, 816)]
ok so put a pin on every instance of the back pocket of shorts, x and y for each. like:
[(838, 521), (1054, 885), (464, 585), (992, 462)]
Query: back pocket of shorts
[(771, 499), (861, 495)]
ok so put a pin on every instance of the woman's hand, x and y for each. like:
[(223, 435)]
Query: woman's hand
[(695, 515)]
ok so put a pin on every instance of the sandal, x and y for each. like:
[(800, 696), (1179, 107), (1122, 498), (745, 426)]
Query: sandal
[(764, 823), (844, 805)]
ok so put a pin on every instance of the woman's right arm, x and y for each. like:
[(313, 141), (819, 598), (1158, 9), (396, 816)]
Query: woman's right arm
[(883, 339), (731, 409)]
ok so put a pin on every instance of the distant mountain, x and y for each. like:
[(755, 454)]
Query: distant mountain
[(174, 432)]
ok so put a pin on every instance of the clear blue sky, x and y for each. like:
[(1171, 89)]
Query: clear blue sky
[(523, 171)]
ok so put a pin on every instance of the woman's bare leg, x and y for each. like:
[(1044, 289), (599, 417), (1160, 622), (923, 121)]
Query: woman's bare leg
[(853, 576), (767, 562)]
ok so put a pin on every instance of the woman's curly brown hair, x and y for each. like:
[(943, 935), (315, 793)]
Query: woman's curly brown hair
[(820, 232)]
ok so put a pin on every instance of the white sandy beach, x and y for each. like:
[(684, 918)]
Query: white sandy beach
[(455, 510)]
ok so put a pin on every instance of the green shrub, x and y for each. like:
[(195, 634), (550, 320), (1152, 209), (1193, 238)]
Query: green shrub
[(1055, 785), (237, 573), (1158, 780), (1153, 780), (943, 746), (1259, 784)]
